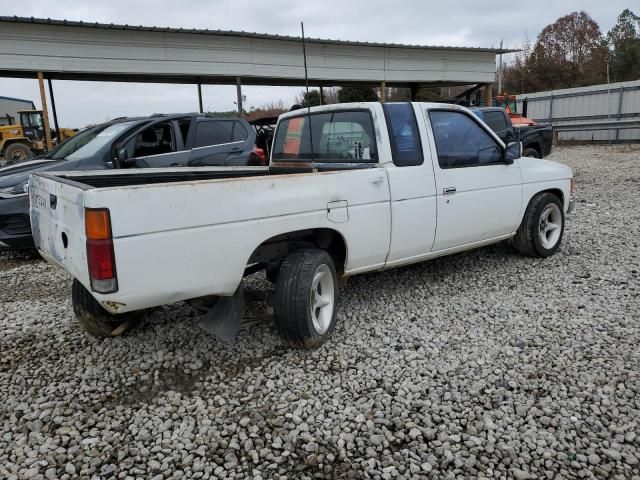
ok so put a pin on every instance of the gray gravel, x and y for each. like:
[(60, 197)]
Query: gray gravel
[(486, 364)]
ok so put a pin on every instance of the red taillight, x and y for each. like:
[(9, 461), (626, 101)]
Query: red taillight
[(100, 257), (261, 155)]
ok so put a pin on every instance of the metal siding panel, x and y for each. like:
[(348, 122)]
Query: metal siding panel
[(581, 105)]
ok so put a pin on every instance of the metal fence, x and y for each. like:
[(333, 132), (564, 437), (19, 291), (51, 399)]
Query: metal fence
[(600, 113)]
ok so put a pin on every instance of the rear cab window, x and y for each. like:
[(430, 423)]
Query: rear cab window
[(345, 136), (495, 120)]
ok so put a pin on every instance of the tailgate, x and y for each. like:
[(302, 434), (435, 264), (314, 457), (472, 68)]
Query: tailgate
[(57, 221)]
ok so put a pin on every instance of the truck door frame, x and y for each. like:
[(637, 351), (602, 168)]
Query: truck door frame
[(465, 194)]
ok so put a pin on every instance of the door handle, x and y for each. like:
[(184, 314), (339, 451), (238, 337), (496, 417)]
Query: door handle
[(449, 190)]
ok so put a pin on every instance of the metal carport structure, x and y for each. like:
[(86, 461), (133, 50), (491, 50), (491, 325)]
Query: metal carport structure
[(70, 50)]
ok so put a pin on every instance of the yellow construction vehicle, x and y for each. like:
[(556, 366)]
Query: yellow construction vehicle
[(26, 139)]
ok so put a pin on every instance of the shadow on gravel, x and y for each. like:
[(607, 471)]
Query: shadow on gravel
[(10, 259), (178, 380), (175, 379)]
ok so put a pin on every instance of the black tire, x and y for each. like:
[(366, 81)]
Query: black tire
[(293, 298), (94, 319), (527, 240), (17, 152), (531, 152)]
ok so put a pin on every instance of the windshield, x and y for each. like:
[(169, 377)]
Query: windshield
[(88, 142)]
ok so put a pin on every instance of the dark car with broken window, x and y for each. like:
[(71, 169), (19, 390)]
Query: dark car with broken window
[(187, 140)]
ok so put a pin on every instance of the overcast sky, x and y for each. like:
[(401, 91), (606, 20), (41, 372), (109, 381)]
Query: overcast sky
[(456, 23)]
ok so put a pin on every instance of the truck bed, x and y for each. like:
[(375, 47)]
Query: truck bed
[(182, 233)]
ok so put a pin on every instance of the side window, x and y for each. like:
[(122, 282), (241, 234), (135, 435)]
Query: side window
[(213, 132), (495, 120), (154, 140), (461, 142), (239, 132), (403, 134), (339, 137)]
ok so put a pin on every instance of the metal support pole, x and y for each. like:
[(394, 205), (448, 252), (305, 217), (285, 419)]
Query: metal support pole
[(200, 98), (414, 92), (383, 92), (620, 95), (551, 110), (53, 110), (488, 94), (500, 92), (321, 95), (45, 113), (239, 93)]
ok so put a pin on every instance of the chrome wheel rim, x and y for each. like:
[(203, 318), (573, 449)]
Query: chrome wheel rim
[(322, 299), (550, 226)]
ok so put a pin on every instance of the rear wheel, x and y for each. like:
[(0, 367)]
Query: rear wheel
[(306, 298), (94, 319), (542, 227), (17, 152), (531, 153)]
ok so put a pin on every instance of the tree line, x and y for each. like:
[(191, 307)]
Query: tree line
[(573, 52)]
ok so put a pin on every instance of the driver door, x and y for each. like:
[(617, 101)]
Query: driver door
[(479, 196)]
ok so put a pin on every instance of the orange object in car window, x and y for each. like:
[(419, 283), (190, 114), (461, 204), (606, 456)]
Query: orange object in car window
[(293, 137)]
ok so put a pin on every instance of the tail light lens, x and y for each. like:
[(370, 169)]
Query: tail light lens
[(260, 154), (100, 256)]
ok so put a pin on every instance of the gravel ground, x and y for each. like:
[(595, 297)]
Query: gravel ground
[(485, 364)]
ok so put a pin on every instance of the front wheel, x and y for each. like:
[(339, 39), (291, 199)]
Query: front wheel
[(306, 298), (542, 227), (94, 319)]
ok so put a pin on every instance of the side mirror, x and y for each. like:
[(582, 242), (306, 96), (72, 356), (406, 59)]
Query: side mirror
[(122, 155), (512, 152), (121, 158)]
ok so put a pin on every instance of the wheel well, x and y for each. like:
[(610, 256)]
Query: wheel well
[(557, 192), (275, 249)]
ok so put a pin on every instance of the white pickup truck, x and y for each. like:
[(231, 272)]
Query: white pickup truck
[(350, 188)]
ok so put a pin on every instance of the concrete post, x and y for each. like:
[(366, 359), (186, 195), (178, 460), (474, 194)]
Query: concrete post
[(45, 113), (321, 95), (239, 94), (383, 92), (488, 94)]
